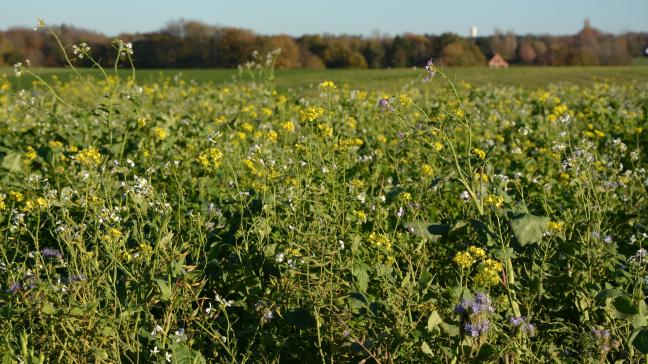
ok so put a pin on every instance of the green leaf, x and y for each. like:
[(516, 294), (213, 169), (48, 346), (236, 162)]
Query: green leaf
[(426, 349), (108, 331), (358, 301), (625, 305), (12, 162), (185, 355), (434, 321), (360, 272), (640, 341), (165, 289), (48, 308), (300, 318), (269, 251), (529, 229), (486, 354), (430, 231), (451, 329), (609, 293)]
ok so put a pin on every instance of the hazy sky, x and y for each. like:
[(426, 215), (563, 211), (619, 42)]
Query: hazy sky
[(297, 17)]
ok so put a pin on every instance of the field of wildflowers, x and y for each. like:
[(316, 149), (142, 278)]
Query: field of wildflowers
[(174, 222)]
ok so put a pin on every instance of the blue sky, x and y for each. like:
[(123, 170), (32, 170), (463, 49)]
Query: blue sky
[(338, 16)]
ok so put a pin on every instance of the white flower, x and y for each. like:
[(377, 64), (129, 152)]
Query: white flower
[(155, 350), (167, 356), (279, 257), (18, 69), (226, 303), (40, 23)]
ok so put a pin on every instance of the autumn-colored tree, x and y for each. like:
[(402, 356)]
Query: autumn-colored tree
[(526, 53), (290, 55)]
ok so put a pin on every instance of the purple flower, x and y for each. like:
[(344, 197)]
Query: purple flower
[(385, 104), (268, 315), (460, 308), (76, 278), (14, 288), (481, 304), (608, 239), (400, 212), (528, 329), (601, 334), (516, 321), (51, 253), (477, 328), (431, 71)]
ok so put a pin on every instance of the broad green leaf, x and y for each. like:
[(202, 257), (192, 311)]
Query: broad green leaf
[(529, 229), (610, 293), (299, 317), (48, 308), (185, 355), (12, 162), (486, 354), (625, 305), (640, 341), (434, 321), (426, 349), (165, 289), (360, 272), (450, 329), (358, 301), (430, 231)]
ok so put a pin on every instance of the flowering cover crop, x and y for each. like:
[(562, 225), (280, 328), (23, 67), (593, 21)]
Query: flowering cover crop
[(182, 223)]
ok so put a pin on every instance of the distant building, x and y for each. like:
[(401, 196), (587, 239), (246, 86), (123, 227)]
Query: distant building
[(473, 31), (497, 62)]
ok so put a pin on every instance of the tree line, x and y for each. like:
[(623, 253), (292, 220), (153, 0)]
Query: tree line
[(192, 44)]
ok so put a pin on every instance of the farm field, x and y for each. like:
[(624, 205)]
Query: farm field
[(385, 80), (325, 216)]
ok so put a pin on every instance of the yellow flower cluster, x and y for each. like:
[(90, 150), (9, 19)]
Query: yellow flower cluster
[(30, 155), (380, 241), (326, 130), (348, 143), (405, 197), (405, 100), (489, 273), (311, 113), (555, 226), (247, 127), (250, 165), (327, 86), (464, 260), (3, 204), (361, 215), (477, 252), (478, 153), (55, 144), (112, 235), (89, 157), (210, 158), (16, 196), (494, 200), (159, 133), (288, 126), (467, 258), (489, 269)]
